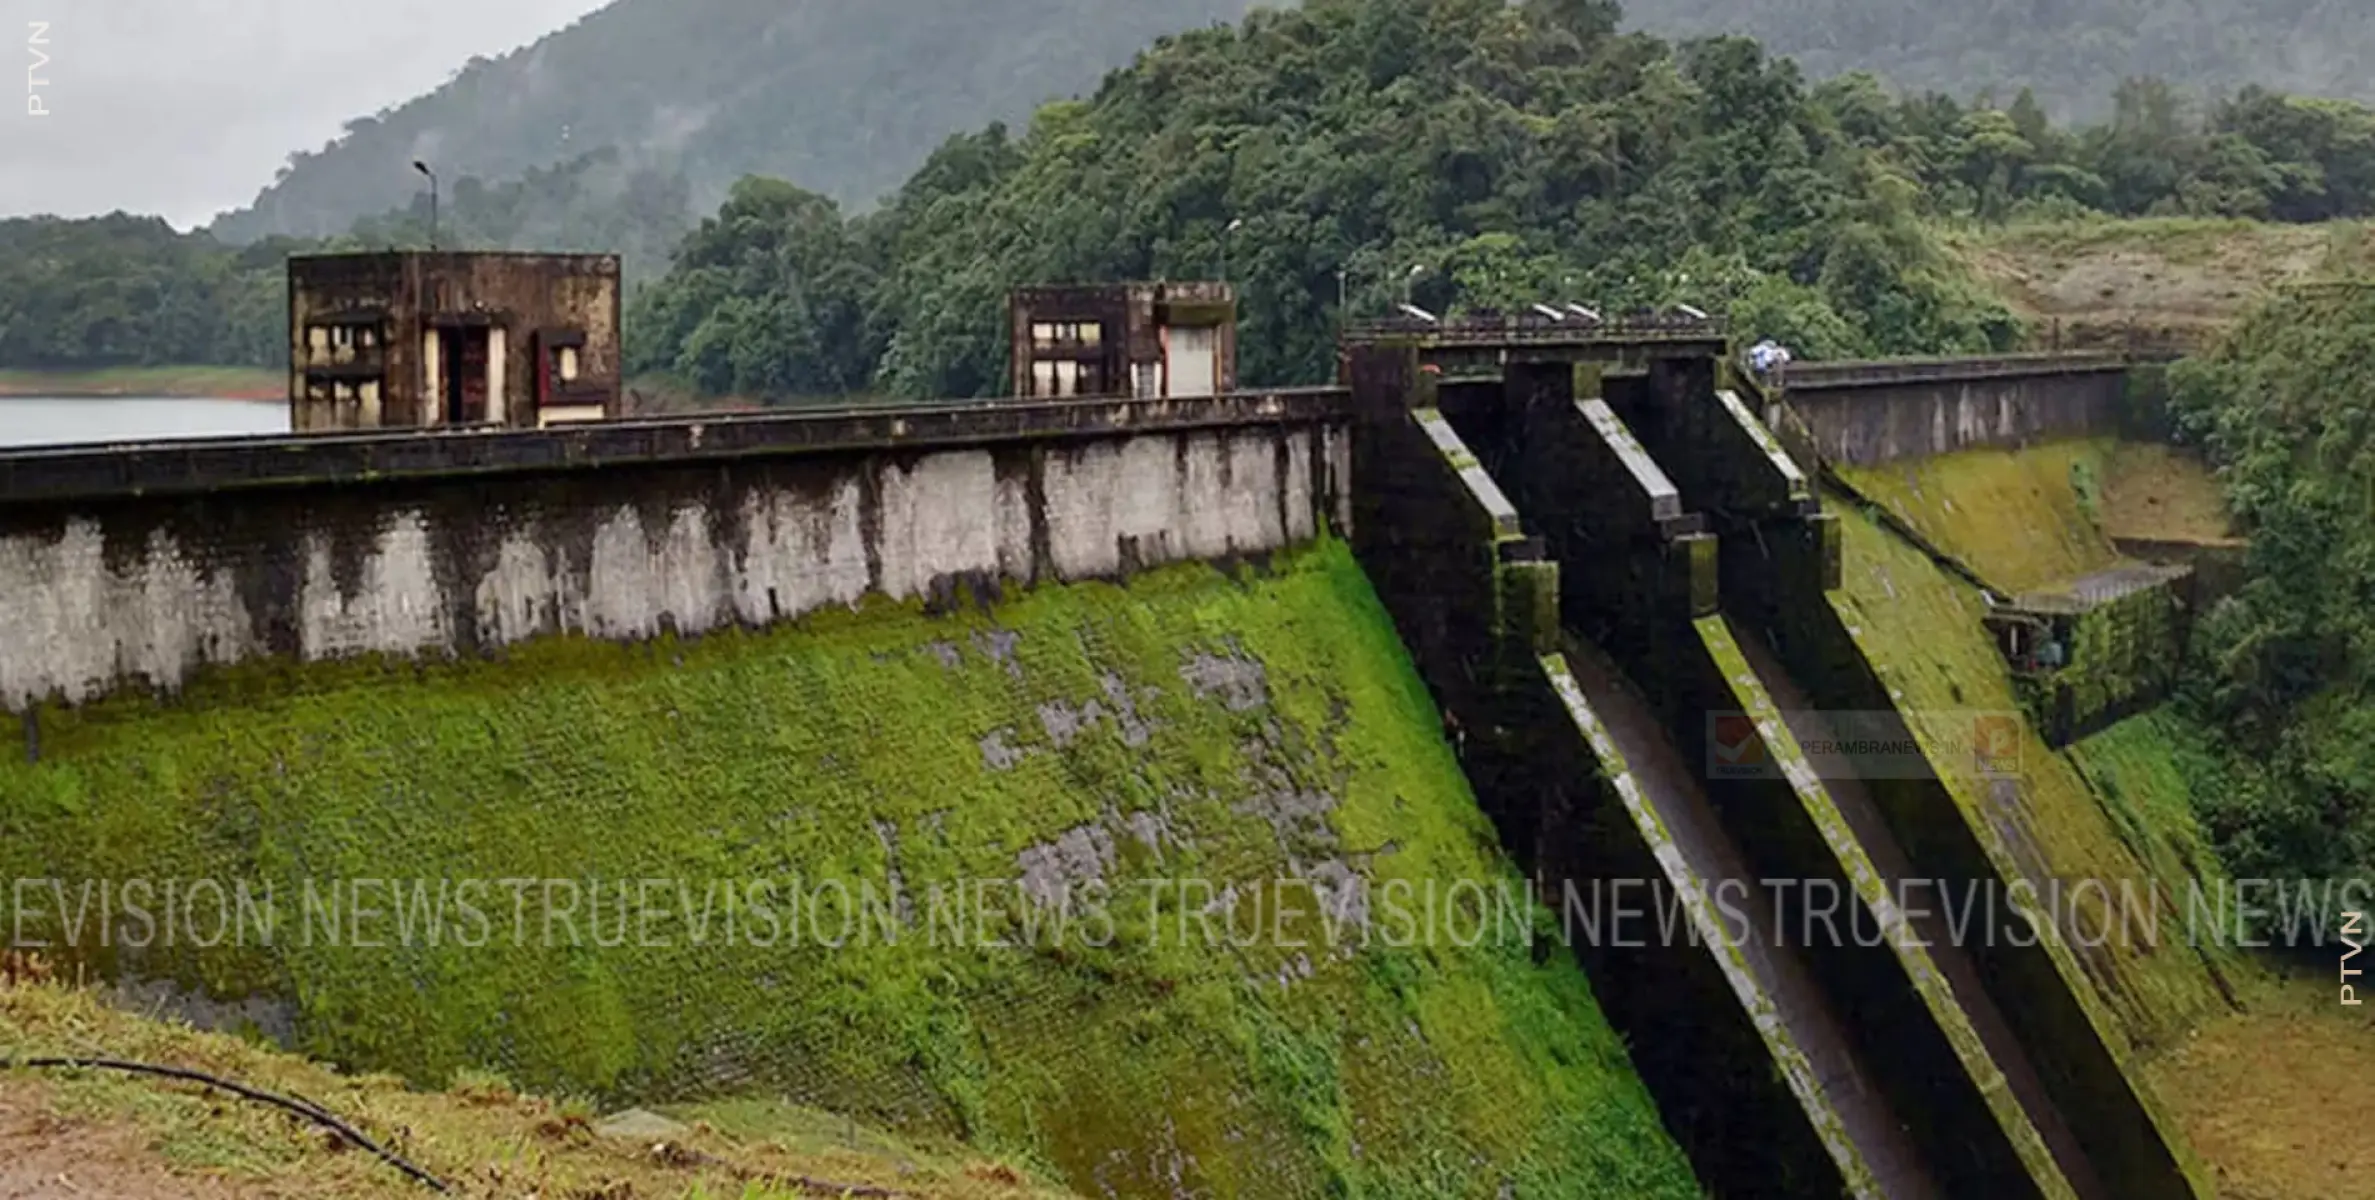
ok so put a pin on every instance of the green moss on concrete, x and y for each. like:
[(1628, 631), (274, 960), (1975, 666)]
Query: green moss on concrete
[(1921, 627), (2144, 770), (2016, 517), (1748, 691), (854, 744), (2124, 651)]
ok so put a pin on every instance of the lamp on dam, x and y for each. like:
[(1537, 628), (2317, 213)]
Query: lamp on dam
[(423, 168)]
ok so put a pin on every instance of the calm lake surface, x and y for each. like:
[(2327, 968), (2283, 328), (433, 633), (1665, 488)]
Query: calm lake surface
[(51, 421)]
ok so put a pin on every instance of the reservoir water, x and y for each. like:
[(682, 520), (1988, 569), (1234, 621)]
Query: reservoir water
[(59, 420)]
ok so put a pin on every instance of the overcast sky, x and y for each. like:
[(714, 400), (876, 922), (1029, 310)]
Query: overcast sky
[(185, 108)]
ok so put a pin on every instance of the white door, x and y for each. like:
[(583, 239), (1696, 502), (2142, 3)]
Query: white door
[(1193, 353)]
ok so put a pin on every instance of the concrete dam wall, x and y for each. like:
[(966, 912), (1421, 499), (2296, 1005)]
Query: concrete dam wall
[(1867, 413), (1236, 758), (1993, 1064), (261, 550), (1341, 639)]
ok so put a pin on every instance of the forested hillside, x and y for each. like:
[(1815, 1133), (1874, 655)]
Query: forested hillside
[(129, 291), (2285, 409), (842, 99), (1463, 153), (122, 291), (2072, 52)]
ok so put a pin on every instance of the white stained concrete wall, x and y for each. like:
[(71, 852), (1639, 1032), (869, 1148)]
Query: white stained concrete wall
[(74, 627)]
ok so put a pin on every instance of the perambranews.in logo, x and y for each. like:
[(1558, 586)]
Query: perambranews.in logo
[(1995, 745), (1734, 750)]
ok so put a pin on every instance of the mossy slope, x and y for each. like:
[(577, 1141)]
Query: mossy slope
[(2112, 810), (137, 1136), (1192, 724), (2022, 519)]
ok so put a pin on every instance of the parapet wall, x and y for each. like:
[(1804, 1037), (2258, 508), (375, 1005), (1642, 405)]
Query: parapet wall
[(457, 544), (1865, 413)]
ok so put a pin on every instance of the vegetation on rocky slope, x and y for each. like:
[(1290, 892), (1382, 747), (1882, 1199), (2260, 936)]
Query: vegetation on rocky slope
[(1192, 726), (2284, 665), (144, 1138)]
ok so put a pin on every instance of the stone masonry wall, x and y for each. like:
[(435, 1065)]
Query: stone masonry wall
[(121, 590)]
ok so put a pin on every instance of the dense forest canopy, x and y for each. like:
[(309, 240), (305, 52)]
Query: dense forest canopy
[(129, 291), (2286, 666), (1467, 153), (844, 98), (1460, 152), (2068, 52), (125, 290), (847, 100)]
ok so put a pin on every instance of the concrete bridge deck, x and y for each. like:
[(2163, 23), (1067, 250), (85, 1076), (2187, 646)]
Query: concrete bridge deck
[(1472, 342), (216, 464), (1896, 372)]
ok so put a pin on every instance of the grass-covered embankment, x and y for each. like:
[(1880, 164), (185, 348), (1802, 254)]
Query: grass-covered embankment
[(1193, 724), (2173, 283), (2021, 519), (2101, 812), (143, 1138)]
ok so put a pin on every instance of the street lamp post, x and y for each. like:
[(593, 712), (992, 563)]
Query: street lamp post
[(1410, 283), (423, 168), (1233, 227)]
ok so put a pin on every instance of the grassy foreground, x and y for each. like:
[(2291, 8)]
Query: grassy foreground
[(135, 1137), (1260, 734)]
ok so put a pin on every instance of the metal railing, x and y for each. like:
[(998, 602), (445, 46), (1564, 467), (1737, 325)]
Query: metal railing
[(1531, 327)]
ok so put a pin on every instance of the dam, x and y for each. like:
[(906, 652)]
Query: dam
[(1495, 606)]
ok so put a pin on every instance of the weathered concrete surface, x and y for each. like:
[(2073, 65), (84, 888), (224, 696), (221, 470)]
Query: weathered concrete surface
[(1780, 576), (110, 591), (1805, 1034), (1478, 611), (1867, 413), (1942, 968)]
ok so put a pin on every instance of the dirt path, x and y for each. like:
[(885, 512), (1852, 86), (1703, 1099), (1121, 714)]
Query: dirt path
[(43, 1156), (2277, 1100)]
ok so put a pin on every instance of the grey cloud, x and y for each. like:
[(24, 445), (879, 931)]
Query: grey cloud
[(187, 107)]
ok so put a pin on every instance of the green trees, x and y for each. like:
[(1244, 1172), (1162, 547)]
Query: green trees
[(842, 99), (2287, 410), (123, 291), (2069, 52), (770, 296), (594, 203), (130, 291), (1332, 159), (2254, 154), (1459, 153)]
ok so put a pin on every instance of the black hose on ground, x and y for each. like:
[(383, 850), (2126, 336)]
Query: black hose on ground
[(304, 1108)]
